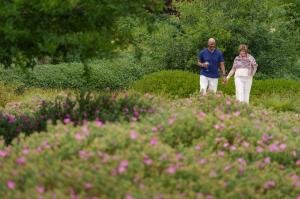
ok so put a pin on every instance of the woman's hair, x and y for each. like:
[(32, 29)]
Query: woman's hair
[(243, 47)]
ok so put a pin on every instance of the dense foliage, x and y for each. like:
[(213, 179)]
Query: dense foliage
[(265, 25), (74, 110), (31, 29), (207, 148), (104, 74)]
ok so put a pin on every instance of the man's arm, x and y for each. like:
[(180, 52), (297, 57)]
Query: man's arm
[(201, 61), (222, 66)]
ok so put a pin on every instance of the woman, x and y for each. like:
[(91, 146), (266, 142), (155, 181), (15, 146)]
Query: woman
[(244, 68)]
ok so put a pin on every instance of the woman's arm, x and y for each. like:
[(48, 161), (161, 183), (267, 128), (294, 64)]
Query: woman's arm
[(232, 71)]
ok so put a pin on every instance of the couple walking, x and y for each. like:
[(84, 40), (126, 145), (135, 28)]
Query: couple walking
[(243, 68)]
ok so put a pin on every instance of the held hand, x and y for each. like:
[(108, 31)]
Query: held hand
[(224, 80)]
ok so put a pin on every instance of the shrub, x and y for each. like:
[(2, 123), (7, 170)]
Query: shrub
[(171, 83), (113, 74), (85, 107), (183, 84), (238, 152)]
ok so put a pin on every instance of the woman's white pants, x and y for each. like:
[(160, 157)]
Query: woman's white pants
[(243, 88)]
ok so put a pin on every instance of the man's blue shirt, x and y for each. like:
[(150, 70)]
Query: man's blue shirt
[(214, 59)]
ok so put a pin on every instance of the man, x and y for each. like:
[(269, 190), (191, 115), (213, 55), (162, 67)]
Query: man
[(209, 60)]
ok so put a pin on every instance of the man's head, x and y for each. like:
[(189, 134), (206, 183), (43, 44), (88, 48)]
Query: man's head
[(211, 44)]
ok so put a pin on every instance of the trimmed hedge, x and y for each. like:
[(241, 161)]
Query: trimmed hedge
[(113, 74), (278, 94), (183, 83), (168, 82)]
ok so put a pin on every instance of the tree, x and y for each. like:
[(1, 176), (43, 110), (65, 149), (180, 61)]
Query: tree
[(62, 28)]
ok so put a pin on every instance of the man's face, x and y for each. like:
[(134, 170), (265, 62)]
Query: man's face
[(211, 45)]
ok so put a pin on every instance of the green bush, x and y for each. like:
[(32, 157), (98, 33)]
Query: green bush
[(237, 152), (280, 94), (111, 73), (76, 110), (171, 83)]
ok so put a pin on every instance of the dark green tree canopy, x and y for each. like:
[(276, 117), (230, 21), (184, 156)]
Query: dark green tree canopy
[(86, 28)]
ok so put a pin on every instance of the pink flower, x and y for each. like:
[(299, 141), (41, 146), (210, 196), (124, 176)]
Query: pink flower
[(67, 120), (10, 184), (237, 113), (84, 154), (85, 130), (226, 145), (298, 162), (153, 141), (123, 166), (79, 137), (40, 189), (273, 148), (197, 147), (241, 171), (154, 129), (171, 170), (21, 160), (246, 144), (203, 161), (201, 114), (11, 118), (259, 149), (222, 117), (3, 154), (99, 123), (88, 185), (122, 170), (242, 161), (282, 147), (133, 135), (217, 127), (221, 153), (25, 151), (267, 160), (233, 148), (171, 121), (228, 102), (147, 160), (39, 149), (297, 184), (128, 196), (136, 114), (114, 172), (227, 168), (269, 184), (124, 163), (266, 137)]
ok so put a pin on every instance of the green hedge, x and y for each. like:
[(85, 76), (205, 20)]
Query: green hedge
[(113, 74), (173, 83), (279, 94)]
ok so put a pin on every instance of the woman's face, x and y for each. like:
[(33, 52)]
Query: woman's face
[(243, 53)]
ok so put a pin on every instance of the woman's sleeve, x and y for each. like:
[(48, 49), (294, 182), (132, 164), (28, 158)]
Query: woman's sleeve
[(234, 63), (254, 66)]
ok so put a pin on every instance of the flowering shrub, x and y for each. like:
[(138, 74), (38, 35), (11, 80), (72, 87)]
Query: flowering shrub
[(74, 110), (201, 147)]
